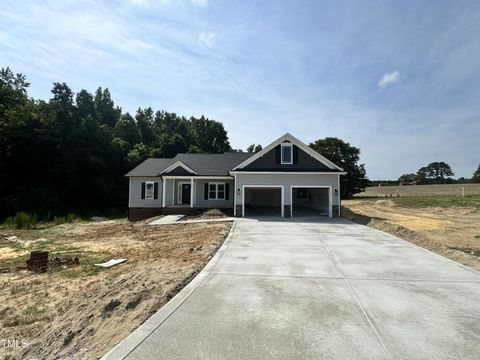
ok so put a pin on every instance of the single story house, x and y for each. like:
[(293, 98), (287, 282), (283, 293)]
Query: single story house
[(286, 178)]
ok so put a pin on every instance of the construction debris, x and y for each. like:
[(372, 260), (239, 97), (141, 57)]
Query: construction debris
[(63, 261), (98, 218), (111, 263)]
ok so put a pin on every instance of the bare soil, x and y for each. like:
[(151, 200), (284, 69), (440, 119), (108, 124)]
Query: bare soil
[(453, 232), (82, 311), (208, 214)]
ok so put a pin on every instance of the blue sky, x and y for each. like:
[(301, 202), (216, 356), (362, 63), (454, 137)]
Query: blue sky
[(399, 79)]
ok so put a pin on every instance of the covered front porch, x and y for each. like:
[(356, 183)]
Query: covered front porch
[(197, 192)]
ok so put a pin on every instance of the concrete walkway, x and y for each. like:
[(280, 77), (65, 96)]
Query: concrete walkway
[(316, 290), (177, 219)]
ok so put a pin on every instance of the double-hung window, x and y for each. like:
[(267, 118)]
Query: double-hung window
[(149, 190), (287, 154), (216, 191)]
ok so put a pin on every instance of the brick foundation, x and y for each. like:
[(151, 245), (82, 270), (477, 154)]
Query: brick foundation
[(335, 210), (239, 211), (136, 214)]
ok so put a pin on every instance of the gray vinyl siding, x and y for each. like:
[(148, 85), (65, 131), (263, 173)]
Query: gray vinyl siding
[(200, 195), (288, 180), (135, 196)]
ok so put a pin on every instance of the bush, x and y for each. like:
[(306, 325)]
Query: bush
[(22, 220), (64, 219)]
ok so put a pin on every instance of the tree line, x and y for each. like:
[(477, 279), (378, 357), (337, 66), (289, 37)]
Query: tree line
[(70, 153), (437, 172)]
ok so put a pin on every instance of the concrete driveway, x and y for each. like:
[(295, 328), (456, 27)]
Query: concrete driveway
[(316, 290)]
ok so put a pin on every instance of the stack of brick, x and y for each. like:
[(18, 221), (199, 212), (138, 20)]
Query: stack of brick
[(38, 261)]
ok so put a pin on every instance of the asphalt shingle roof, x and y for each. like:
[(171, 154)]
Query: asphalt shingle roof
[(202, 164), (212, 164), (151, 167)]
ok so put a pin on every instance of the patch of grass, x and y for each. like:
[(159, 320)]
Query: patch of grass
[(14, 262), (86, 268), (57, 220), (471, 201), (22, 220), (29, 315)]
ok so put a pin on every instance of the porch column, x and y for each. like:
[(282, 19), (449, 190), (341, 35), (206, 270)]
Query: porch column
[(192, 189), (163, 192)]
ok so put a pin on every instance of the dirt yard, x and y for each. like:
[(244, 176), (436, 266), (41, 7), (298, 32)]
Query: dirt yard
[(451, 231), (82, 311)]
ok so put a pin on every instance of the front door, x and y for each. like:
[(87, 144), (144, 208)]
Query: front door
[(186, 188)]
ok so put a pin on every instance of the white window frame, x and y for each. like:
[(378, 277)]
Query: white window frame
[(216, 190), (153, 190), (291, 154)]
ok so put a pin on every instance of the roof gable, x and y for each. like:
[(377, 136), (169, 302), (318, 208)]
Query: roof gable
[(302, 161), (308, 159), (178, 168)]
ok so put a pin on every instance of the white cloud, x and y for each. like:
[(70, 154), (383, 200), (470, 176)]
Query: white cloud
[(388, 79), (137, 2), (200, 2), (207, 38)]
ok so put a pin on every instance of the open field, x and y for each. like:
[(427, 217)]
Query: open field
[(449, 226), (76, 310), (420, 190)]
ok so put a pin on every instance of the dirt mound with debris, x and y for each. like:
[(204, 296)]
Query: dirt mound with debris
[(80, 311), (212, 214)]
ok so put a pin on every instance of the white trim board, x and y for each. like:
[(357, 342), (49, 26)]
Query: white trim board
[(281, 187), (197, 177), (178, 164), (330, 200), (290, 172), (292, 139)]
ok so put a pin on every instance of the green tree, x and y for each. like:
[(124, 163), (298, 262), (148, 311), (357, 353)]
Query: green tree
[(105, 110), (254, 148), (144, 119), (139, 153), (438, 172), (208, 136), (407, 178), (476, 175), (422, 175), (127, 130), (347, 157)]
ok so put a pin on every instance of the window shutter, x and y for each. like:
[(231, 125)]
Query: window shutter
[(227, 191), (278, 154), (143, 190), (155, 190), (295, 154), (206, 191)]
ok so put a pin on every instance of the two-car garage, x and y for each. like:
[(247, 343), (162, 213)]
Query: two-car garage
[(269, 200)]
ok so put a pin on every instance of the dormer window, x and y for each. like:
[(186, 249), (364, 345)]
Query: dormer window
[(287, 156)]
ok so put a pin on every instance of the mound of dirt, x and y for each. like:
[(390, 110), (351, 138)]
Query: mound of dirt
[(212, 214)]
